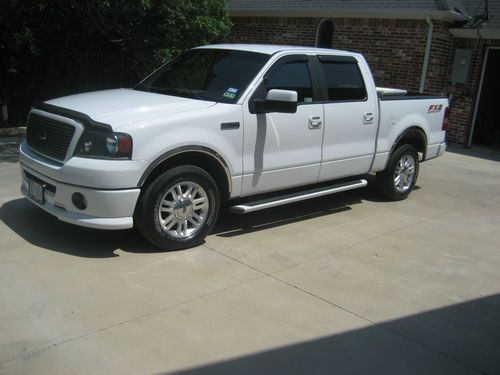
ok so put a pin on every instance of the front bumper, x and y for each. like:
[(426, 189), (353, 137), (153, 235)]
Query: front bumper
[(107, 208)]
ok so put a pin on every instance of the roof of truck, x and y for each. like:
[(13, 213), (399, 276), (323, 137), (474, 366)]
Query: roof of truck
[(271, 49)]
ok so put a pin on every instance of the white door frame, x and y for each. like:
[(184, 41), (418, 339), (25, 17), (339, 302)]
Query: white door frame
[(478, 96)]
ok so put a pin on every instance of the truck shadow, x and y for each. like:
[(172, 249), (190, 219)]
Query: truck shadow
[(45, 231), (231, 225)]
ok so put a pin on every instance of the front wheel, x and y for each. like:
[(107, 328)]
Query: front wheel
[(398, 179), (179, 209)]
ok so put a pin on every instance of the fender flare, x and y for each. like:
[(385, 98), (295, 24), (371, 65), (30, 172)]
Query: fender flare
[(408, 132), (185, 149)]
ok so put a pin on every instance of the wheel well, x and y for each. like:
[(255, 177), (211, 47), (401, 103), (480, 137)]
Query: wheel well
[(413, 136), (205, 161)]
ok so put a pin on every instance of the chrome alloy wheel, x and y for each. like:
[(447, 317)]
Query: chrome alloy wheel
[(404, 173), (183, 209)]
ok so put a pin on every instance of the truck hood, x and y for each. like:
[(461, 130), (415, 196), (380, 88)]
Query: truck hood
[(125, 106)]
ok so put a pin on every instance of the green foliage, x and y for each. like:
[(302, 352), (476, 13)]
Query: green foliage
[(153, 31), (39, 38), (150, 30)]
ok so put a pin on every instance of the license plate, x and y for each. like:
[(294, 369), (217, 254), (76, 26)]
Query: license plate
[(36, 191)]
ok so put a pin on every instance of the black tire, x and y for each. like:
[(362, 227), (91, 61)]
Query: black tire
[(386, 180), (162, 194)]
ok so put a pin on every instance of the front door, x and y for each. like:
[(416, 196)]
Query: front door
[(283, 149)]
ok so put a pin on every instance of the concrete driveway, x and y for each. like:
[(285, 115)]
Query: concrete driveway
[(344, 284)]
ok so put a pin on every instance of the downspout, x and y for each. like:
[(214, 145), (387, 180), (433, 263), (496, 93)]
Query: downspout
[(427, 55)]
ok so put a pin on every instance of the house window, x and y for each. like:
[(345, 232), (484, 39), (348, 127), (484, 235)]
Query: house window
[(325, 34)]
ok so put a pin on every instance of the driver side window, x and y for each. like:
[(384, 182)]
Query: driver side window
[(294, 76)]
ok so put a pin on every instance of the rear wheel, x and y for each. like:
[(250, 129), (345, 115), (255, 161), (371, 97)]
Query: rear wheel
[(179, 209), (398, 179)]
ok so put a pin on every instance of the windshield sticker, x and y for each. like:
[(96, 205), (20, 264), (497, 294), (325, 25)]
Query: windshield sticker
[(230, 93)]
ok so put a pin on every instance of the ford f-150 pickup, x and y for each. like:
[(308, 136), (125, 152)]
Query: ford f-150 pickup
[(254, 125)]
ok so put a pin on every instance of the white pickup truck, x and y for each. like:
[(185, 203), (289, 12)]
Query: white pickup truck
[(255, 125)]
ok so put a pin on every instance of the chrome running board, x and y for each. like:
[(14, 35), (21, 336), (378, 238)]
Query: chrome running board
[(296, 197)]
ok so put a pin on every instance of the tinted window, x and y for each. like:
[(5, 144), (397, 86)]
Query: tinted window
[(292, 76), (344, 81), (206, 74)]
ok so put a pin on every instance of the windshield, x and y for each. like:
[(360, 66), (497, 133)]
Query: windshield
[(207, 74)]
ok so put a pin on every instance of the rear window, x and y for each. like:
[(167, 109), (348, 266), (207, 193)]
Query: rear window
[(344, 81)]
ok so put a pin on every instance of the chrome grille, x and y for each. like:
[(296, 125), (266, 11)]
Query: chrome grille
[(49, 137)]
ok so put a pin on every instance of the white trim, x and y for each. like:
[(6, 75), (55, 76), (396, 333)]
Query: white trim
[(478, 97), (427, 55)]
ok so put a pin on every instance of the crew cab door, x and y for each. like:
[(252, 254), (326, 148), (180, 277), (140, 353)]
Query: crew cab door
[(282, 150), (351, 116)]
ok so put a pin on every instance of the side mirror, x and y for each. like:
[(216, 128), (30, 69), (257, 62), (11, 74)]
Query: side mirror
[(281, 101)]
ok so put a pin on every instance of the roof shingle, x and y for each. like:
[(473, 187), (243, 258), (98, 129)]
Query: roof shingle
[(430, 5), (464, 10), (476, 9)]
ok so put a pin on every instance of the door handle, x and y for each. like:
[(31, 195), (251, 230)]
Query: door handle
[(368, 118), (315, 122)]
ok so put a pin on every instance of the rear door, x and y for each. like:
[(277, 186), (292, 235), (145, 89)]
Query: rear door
[(351, 117)]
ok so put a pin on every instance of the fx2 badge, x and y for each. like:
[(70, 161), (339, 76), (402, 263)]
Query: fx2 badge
[(435, 108)]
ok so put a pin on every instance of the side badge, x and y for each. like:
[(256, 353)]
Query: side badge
[(435, 108)]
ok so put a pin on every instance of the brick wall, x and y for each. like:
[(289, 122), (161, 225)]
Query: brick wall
[(274, 30), (393, 48)]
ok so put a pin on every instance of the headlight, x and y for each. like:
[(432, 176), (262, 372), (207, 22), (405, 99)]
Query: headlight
[(103, 145)]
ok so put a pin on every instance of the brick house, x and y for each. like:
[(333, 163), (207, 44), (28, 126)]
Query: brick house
[(430, 46)]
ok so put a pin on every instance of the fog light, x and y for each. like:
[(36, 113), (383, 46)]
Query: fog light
[(79, 201)]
